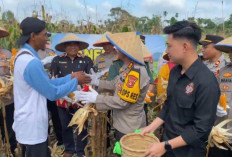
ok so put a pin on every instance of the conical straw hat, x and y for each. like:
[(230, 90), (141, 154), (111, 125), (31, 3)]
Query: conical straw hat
[(146, 52), (102, 40), (225, 45), (128, 43), (3, 32), (70, 37)]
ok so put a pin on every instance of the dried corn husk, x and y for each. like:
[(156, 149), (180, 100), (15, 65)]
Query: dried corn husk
[(222, 101), (6, 86), (56, 151), (220, 136), (81, 116)]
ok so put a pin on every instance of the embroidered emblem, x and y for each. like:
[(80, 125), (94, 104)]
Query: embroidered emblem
[(225, 87), (102, 59), (130, 66), (125, 75), (131, 81), (189, 88), (227, 75)]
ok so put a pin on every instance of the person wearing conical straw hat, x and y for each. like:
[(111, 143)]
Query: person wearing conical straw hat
[(104, 61), (61, 66), (5, 56), (118, 63), (32, 87), (224, 108), (129, 87)]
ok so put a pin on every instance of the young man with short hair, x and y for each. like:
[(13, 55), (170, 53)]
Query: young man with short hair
[(32, 86), (189, 112)]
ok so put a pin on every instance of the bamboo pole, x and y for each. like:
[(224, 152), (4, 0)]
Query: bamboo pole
[(7, 145)]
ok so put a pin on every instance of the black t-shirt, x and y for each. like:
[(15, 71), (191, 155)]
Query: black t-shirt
[(190, 108)]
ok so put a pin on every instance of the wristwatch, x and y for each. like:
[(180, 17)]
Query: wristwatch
[(167, 146)]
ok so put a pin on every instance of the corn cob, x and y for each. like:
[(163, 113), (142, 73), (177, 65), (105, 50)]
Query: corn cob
[(222, 101)]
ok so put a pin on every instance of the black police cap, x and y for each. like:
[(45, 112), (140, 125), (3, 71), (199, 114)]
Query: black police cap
[(209, 39)]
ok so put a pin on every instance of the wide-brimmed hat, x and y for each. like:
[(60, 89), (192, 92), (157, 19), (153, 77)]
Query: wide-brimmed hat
[(209, 39), (70, 38), (146, 51), (3, 32), (225, 45), (128, 43), (102, 40), (29, 25)]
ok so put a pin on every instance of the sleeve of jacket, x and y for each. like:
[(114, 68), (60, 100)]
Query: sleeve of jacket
[(38, 79), (61, 80), (106, 85), (205, 114)]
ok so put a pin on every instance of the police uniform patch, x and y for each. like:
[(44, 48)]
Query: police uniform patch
[(131, 81), (3, 56), (131, 90), (102, 59), (125, 75), (225, 87), (189, 88), (227, 75)]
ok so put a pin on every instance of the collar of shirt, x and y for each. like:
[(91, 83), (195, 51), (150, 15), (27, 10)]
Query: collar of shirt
[(27, 46), (191, 71)]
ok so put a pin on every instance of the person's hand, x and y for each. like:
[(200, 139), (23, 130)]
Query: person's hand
[(76, 96), (95, 76), (88, 97), (47, 60), (81, 77), (220, 111), (155, 150), (148, 129), (66, 98)]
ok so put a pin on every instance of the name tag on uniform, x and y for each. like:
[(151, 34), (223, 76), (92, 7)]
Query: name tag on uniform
[(62, 62)]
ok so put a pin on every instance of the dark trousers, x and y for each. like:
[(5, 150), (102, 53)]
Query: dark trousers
[(9, 123), (216, 152), (67, 132), (37, 150), (55, 120), (118, 135)]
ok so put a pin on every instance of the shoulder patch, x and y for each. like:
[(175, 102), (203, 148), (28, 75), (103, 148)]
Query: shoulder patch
[(131, 90)]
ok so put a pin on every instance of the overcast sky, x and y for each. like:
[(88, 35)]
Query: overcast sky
[(99, 9)]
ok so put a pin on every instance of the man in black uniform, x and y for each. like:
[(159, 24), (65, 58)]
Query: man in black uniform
[(61, 66), (189, 112)]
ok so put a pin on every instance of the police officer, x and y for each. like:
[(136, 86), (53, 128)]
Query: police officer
[(129, 87), (118, 63), (104, 60), (225, 84), (71, 62), (192, 96), (213, 58), (5, 56)]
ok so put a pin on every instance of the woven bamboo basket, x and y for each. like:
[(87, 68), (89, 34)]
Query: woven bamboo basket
[(135, 145)]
